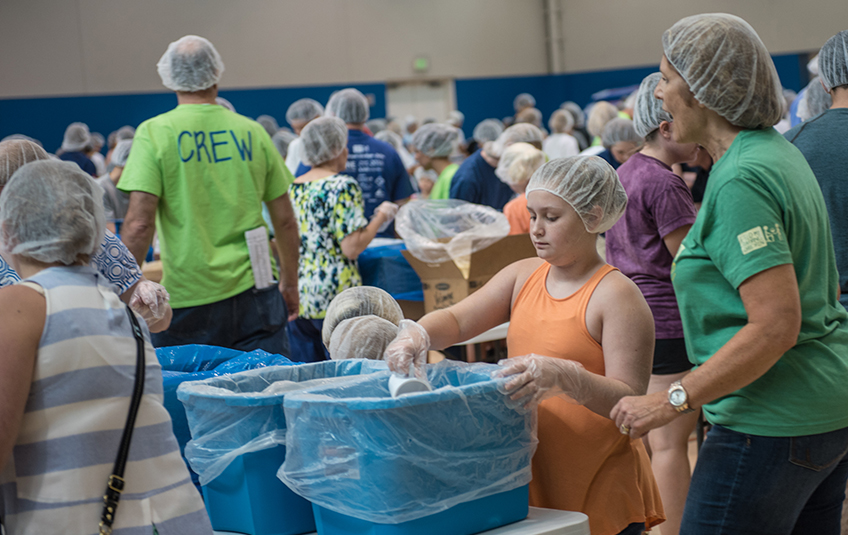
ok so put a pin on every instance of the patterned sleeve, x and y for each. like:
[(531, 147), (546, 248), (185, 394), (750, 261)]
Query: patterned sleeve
[(116, 263), (8, 275), (348, 210)]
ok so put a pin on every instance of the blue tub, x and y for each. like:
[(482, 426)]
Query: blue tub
[(421, 463)]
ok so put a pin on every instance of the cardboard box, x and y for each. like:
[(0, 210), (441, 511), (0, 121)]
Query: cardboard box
[(152, 270), (444, 283)]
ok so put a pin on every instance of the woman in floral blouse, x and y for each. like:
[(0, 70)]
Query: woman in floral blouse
[(333, 232)]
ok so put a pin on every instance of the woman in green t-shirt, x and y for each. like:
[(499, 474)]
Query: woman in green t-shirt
[(434, 144), (756, 284)]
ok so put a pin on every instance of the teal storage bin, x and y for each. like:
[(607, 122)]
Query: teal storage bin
[(238, 429), (464, 519), (420, 463)]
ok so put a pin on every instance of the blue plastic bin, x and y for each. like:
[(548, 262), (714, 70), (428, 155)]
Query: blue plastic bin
[(238, 444), (432, 462)]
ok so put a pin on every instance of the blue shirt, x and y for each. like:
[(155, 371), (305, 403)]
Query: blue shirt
[(378, 169), (81, 160), (113, 260), (475, 181), (610, 159)]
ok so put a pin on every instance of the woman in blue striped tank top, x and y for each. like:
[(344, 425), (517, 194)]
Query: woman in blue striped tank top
[(66, 375)]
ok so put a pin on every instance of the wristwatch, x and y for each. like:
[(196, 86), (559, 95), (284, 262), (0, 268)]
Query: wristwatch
[(678, 398)]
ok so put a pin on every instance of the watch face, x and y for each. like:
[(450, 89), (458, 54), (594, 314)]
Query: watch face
[(677, 397)]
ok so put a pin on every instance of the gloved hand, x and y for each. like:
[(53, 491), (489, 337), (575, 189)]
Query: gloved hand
[(150, 301), (408, 351), (534, 378), (388, 209)]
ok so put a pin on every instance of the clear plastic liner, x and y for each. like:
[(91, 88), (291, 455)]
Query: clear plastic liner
[(450, 229), (355, 450), (241, 413)]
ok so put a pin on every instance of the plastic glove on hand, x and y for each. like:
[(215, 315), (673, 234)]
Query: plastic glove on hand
[(408, 351), (533, 378), (149, 300), (389, 210)]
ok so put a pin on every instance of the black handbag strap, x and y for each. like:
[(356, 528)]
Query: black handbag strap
[(115, 483)]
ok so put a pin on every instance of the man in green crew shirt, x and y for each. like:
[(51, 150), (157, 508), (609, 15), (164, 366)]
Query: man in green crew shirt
[(200, 173), (434, 144)]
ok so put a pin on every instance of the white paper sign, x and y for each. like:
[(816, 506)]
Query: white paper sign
[(260, 257)]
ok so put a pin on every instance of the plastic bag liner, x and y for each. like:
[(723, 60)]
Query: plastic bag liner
[(236, 414), (449, 229), (355, 450)]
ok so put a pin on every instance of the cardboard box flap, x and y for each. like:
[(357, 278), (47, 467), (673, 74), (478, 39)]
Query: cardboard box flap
[(500, 254)]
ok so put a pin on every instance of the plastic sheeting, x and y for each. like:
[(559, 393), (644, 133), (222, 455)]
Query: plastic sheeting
[(355, 450), (241, 413), (441, 230)]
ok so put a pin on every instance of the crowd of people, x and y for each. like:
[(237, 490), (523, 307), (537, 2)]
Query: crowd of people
[(719, 285)]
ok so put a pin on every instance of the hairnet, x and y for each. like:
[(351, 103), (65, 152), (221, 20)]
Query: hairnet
[(409, 121), (561, 121), (363, 337), (77, 137), (376, 125), (390, 137), (428, 120), (281, 140), (576, 112), (833, 61), (524, 100), (435, 140), (359, 301), (529, 115), (456, 118), (24, 137), (525, 132), (14, 153), (518, 162), (190, 64), (813, 65), (304, 110), (648, 112), (349, 105), (125, 132), (221, 101), (815, 102), (588, 184), (323, 139), (727, 67), (269, 124), (630, 101), (600, 114), (619, 130), (51, 211), (121, 153), (97, 139), (487, 130)]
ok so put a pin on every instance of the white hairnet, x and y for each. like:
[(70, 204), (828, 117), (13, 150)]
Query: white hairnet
[(77, 137), (304, 110), (269, 124), (435, 140), (390, 137), (14, 153), (376, 125), (456, 118), (221, 101), (813, 65), (576, 112), (349, 105), (619, 130), (125, 132), (600, 114), (281, 140), (487, 130), (523, 100), (359, 301), (588, 184), (409, 121), (51, 211), (323, 139), (518, 162), (529, 115), (190, 64), (525, 132), (648, 112), (363, 337), (727, 67), (121, 153), (561, 121), (815, 102), (97, 139), (833, 61)]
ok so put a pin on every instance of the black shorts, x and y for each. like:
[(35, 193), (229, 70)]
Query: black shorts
[(670, 357)]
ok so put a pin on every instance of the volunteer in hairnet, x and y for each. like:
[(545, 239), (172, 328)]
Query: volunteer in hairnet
[(433, 145), (515, 167), (485, 131), (620, 141), (561, 144), (822, 142), (75, 143), (756, 283), (112, 259), (298, 115), (115, 202)]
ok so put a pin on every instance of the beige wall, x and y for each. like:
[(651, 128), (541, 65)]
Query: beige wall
[(73, 47)]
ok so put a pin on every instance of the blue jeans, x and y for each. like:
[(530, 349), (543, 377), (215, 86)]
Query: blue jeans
[(255, 319), (750, 485), (306, 342)]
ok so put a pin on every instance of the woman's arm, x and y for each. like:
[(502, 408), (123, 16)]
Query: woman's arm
[(673, 239), (354, 243), (773, 305), (22, 313)]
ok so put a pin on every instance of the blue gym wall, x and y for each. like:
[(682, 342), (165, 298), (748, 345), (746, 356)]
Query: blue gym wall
[(45, 119)]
